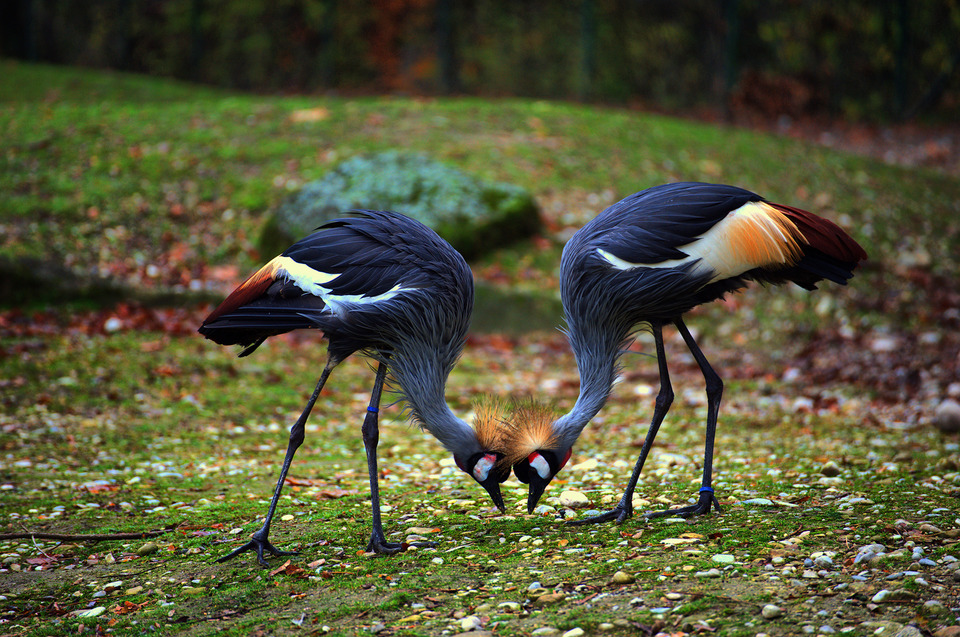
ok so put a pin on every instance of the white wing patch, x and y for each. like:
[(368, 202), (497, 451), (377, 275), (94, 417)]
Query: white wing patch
[(314, 282), (752, 236)]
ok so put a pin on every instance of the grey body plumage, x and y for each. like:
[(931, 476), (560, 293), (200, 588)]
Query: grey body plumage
[(388, 287), (644, 262)]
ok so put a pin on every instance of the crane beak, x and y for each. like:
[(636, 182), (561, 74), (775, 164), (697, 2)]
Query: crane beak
[(492, 485), (537, 486), (538, 470), (486, 469)]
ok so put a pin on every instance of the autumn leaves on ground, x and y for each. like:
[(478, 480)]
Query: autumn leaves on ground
[(839, 492)]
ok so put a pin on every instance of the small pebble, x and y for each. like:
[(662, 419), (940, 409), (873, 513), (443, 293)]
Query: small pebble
[(723, 558), (713, 572), (422, 530), (605, 627), (771, 611), (586, 465), (90, 612), (148, 548), (830, 469), (549, 598), (947, 416), (621, 577), (574, 500), (545, 631), (881, 596), (574, 632), (470, 622)]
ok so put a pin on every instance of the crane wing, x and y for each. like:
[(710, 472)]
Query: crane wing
[(726, 229), (353, 260), (722, 232)]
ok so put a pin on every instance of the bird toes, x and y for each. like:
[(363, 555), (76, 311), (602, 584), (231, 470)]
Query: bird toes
[(379, 546), (706, 501), (618, 514), (258, 545)]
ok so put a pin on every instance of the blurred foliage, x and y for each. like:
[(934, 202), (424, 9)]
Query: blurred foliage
[(475, 217), (794, 57)]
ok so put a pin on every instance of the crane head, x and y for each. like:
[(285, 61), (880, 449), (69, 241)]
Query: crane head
[(533, 448), (487, 468), (538, 469)]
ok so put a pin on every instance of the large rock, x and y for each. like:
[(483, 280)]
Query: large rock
[(475, 217)]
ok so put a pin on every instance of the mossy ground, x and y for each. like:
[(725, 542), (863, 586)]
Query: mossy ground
[(197, 451)]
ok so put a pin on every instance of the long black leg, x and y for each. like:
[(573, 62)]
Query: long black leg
[(371, 437), (714, 393), (624, 510), (258, 541)]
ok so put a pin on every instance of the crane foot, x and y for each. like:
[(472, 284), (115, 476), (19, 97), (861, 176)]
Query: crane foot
[(378, 544), (702, 507), (619, 514), (258, 545)]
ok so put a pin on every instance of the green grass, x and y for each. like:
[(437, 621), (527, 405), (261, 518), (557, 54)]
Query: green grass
[(207, 468)]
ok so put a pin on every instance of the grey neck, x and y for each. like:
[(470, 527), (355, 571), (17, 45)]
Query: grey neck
[(422, 384), (597, 356)]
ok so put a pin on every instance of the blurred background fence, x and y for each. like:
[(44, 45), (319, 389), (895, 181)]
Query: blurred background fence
[(880, 59)]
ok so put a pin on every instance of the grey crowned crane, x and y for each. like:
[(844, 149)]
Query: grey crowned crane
[(642, 263), (389, 287)]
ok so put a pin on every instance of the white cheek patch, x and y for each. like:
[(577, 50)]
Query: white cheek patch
[(540, 465), (482, 469)]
